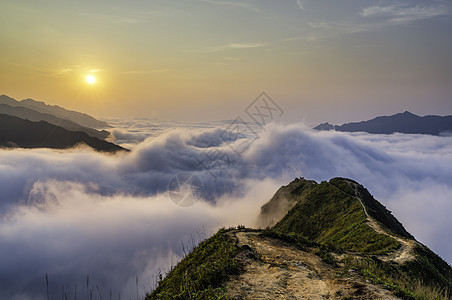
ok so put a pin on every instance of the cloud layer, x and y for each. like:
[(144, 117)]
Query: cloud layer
[(74, 213)]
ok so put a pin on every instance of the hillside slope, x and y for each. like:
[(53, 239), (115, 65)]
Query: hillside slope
[(19, 133), (35, 116), (283, 200), (336, 242), (74, 116)]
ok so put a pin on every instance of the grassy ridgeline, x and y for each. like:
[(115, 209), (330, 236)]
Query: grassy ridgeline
[(330, 215), (200, 275), (327, 218)]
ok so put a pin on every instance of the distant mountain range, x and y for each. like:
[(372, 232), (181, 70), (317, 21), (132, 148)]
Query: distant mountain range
[(20, 133), (33, 124), (35, 116), (406, 122), (57, 111)]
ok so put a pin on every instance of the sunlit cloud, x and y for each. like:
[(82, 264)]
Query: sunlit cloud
[(301, 38), (227, 47), (137, 72), (56, 71), (245, 45), (347, 27)]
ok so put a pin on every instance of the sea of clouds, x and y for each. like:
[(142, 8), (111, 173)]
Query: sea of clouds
[(69, 214)]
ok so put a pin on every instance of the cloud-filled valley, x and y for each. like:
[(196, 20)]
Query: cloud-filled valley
[(74, 213)]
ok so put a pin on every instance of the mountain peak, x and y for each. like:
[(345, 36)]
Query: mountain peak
[(328, 211), (407, 113), (324, 126)]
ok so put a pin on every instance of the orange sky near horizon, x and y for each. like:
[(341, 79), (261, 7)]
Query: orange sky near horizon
[(206, 58)]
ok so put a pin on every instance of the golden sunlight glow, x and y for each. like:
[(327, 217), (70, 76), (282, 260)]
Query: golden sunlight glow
[(90, 79)]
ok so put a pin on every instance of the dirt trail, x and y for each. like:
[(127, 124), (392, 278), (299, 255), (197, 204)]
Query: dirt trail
[(276, 270), (405, 252)]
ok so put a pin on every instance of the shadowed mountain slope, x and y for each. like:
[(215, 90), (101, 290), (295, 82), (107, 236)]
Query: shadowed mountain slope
[(16, 132), (76, 117), (35, 116)]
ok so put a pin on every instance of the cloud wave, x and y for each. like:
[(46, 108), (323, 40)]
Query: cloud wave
[(73, 213)]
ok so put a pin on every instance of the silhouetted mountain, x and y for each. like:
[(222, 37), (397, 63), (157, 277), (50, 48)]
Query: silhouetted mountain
[(35, 116), (334, 241), (325, 126), (403, 123), (76, 117), (17, 132)]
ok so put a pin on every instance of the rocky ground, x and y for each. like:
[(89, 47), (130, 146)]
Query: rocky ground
[(274, 269)]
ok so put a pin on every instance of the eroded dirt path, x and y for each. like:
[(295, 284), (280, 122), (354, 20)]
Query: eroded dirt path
[(276, 270), (405, 252)]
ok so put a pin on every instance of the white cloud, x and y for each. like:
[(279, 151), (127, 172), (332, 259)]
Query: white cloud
[(402, 13), (245, 45), (347, 27), (379, 17), (73, 213), (148, 71)]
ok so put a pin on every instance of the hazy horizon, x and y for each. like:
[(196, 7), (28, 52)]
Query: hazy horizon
[(282, 120)]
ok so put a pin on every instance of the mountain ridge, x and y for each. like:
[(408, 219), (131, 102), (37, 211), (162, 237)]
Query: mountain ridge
[(35, 116), (82, 119), (16, 132), (335, 242), (405, 122)]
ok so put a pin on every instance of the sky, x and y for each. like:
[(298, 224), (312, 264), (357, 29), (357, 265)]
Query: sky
[(334, 61)]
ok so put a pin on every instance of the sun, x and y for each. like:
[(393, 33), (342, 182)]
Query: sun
[(90, 79)]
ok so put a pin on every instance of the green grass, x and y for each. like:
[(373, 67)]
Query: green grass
[(330, 216), (405, 285), (421, 279), (326, 218), (201, 274), (283, 200), (429, 268), (374, 208)]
